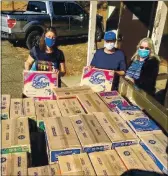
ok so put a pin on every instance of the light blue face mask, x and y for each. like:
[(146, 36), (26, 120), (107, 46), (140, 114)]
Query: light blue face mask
[(143, 53), (49, 42)]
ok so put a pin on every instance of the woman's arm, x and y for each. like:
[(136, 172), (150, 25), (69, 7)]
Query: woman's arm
[(29, 63), (62, 69)]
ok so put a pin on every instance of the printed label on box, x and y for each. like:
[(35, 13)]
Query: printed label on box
[(100, 80), (39, 84)]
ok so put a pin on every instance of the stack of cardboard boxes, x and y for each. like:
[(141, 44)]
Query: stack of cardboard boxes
[(86, 134)]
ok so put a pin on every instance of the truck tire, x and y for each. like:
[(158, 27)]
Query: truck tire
[(99, 34), (33, 39)]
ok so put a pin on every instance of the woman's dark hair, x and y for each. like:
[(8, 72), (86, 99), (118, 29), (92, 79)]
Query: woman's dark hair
[(42, 44)]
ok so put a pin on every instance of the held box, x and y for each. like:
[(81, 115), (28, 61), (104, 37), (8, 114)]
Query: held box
[(53, 109), (16, 108), (71, 92), (129, 158), (52, 170), (39, 83), (69, 107), (79, 163), (145, 159), (117, 130), (91, 135), (41, 113), (61, 138), (92, 103), (98, 79), (107, 163), (5, 106), (156, 150), (29, 108)]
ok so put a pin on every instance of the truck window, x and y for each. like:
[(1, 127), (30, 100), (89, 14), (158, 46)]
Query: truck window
[(59, 8), (74, 9), (36, 6)]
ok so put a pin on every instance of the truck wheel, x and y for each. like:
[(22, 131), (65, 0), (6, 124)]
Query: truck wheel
[(33, 39), (99, 34)]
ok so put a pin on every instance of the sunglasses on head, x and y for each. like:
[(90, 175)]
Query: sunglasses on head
[(141, 47)]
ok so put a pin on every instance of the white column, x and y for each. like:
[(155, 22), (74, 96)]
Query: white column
[(92, 29), (159, 24)]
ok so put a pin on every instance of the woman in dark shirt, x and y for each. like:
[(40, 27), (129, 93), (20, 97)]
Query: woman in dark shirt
[(144, 68), (46, 56)]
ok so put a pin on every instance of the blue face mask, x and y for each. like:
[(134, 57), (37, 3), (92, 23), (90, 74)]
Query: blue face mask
[(49, 42), (143, 53)]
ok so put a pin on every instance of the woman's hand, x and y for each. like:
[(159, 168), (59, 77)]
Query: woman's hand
[(56, 71), (130, 79)]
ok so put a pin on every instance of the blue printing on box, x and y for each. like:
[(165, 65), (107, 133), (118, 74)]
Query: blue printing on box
[(129, 108), (154, 158), (144, 124), (94, 149), (125, 143), (54, 154)]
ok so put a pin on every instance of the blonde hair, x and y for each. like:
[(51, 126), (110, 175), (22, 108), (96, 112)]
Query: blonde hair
[(151, 47)]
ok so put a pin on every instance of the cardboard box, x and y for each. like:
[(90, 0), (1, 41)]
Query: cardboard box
[(16, 108), (76, 164), (130, 112), (39, 83), (20, 135), (162, 138), (55, 169), (6, 136), (29, 108), (15, 136), (69, 107), (107, 163), (53, 109), (52, 170), (145, 159), (71, 92), (90, 133), (98, 79), (19, 163), (113, 99), (6, 164), (129, 158), (92, 103), (61, 138), (41, 113), (116, 129), (156, 150), (5, 106), (144, 125)]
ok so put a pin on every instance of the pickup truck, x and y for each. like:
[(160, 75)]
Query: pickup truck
[(69, 19)]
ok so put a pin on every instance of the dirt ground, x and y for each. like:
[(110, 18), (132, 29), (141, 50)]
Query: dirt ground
[(13, 58)]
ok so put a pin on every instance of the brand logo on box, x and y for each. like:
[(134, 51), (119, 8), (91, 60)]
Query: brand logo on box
[(97, 78), (79, 121), (126, 153), (152, 142), (3, 159), (125, 131), (21, 137), (40, 81)]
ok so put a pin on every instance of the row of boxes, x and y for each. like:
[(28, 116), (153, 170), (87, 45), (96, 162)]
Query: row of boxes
[(110, 162), (18, 163)]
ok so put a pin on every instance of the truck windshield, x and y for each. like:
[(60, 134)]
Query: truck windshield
[(37, 6)]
